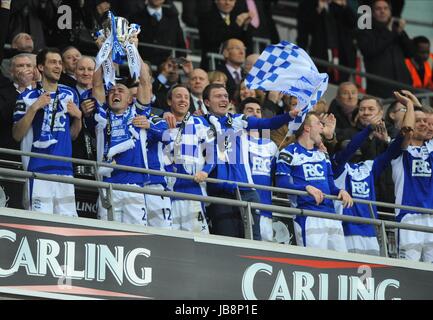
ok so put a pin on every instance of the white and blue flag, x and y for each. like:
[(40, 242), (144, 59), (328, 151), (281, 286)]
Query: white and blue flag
[(287, 68)]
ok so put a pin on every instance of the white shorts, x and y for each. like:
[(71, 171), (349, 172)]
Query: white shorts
[(158, 209), (52, 197), (363, 245), (189, 215), (128, 207), (321, 233), (416, 245), (266, 230)]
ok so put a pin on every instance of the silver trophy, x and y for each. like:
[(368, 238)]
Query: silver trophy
[(117, 34), (123, 29)]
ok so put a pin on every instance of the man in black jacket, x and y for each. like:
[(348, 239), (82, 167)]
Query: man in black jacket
[(384, 48), (8, 92), (343, 106), (159, 26), (234, 58), (221, 23)]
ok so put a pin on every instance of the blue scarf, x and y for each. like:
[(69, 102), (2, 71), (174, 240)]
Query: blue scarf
[(46, 138), (118, 135)]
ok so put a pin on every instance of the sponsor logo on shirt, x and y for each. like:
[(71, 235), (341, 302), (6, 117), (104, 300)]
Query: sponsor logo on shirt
[(360, 189), (421, 168), (313, 171), (261, 166)]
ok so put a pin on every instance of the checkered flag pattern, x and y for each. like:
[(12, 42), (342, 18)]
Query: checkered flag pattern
[(287, 68)]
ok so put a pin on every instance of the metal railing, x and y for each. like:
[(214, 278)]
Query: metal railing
[(247, 206)]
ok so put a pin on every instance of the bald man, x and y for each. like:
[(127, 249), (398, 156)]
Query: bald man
[(23, 42)]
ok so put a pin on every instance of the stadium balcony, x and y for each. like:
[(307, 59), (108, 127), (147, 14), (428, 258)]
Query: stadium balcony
[(96, 259)]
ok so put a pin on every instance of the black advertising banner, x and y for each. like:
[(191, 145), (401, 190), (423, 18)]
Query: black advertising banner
[(81, 259), (85, 198)]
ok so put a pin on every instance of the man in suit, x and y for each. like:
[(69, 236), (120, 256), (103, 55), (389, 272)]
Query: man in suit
[(262, 23), (197, 81), (159, 26), (234, 58), (221, 23)]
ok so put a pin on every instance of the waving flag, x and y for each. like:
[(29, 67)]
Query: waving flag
[(287, 68)]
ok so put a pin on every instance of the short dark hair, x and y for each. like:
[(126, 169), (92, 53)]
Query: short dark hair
[(170, 91), (368, 97), (41, 57), (67, 49), (246, 101), (209, 88), (390, 109), (420, 39)]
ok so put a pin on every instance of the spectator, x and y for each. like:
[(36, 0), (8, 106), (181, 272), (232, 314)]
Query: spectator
[(346, 23), (420, 66), (321, 107), (94, 14), (302, 166), (77, 34), (23, 42), (232, 163), (262, 24), (429, 115), (192, 9), (22, 77), (217, 77), (8, 95), (220, 24), (234, 58), (262, 156), (190, 146), (244, 93), (197, 81), (70, 57), (30, 16), (159, 26), (384, 48), (394, 117), (343, 106), (316, 20), (33, 110)]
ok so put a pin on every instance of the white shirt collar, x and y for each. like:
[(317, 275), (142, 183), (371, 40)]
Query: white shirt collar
[(224, 15), (195, 100), (80, 89), (163, 80), (28, 87)]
